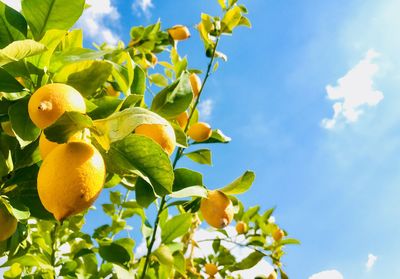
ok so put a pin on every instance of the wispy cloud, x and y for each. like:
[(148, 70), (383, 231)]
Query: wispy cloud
[(142, 7), (371, 261), (354, 91), (94, 20), (15, 4), (206, 108), (328, 274)]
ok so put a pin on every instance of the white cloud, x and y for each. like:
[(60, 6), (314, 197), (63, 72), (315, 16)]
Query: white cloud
[(15, 4), (142, 7), (371, 261), (94, 19), (205, 109), (354, 91), (328, 274)]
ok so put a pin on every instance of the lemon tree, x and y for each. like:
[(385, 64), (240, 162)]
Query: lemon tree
[(81, 122)]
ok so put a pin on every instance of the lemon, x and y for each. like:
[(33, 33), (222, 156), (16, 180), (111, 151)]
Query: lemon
[(179, 32), (200, 131), (6, 126), (164, 135), (195, 82), (46, 146), (8, 224), (241, 227), (217, 209), (273, 275), (50, 101), (182, 119), (70, 178), (211, 269), (277, 235)]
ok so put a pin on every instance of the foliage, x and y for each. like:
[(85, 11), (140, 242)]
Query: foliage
[(38, 48)]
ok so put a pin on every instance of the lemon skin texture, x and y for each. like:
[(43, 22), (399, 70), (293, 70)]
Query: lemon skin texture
[(164, 135), (200, 131), (50, 101), (217, 209), (70, 179)]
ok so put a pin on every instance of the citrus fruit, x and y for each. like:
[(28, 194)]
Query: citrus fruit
[(211, 269), (50, 101), (273, 275), (241, 227), (70, 178), (217, 209), (195, 82), (277, 235), (179, 32), (6, 126), (164, 135), (182, 119), (8, 223), (200, 131)]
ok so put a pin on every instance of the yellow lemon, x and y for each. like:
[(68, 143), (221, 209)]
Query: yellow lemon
[(179, 32), (70, 178), (277, 235), (211, 269), (200, 131), (50, 101), (217, 209), (241, 227), (273, 275), (8, 224), (6, 126), (164, 135), (182, 119), (195, 82), (46, 146)]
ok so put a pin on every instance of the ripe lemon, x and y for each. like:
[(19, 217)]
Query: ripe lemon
[(273, 275), (211, 269), (217, 209), (241, 227), (182, 119), (70, 178), (46, 146), (8, 224), (195, 82), (200, 131), (164, 135), (277, 235), (6, 126), (179, 32), (50, 101)]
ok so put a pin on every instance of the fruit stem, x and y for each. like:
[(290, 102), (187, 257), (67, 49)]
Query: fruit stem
[(178, 155), (54, 245), (45, 105)]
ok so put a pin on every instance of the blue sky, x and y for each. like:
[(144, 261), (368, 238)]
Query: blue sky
[(336, 189), (335, 184)]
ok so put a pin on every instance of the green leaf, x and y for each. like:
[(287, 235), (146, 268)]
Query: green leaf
[(180, 136), (158, 79), (144, 193), (18, 50), (72, 55), (201, 156), (216, 137), (231, 19), (142, 156), (12, 25), (244, 21), (289, 241), (164, 255), (139, 81), (123, 123), (15, 270), (22, 125), (174, 99), (185, 178), (240, 185), (85, 76), (176, 227), (123, 73), (222, 4), (68, 124), (106, 106), (37, 260), (43, 15), (248, 262), (8, 83), (192, 191), (115, 252), (19, 210), (26, 157)]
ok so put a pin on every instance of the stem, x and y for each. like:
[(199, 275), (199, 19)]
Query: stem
[(178, 155), (54, 245)]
